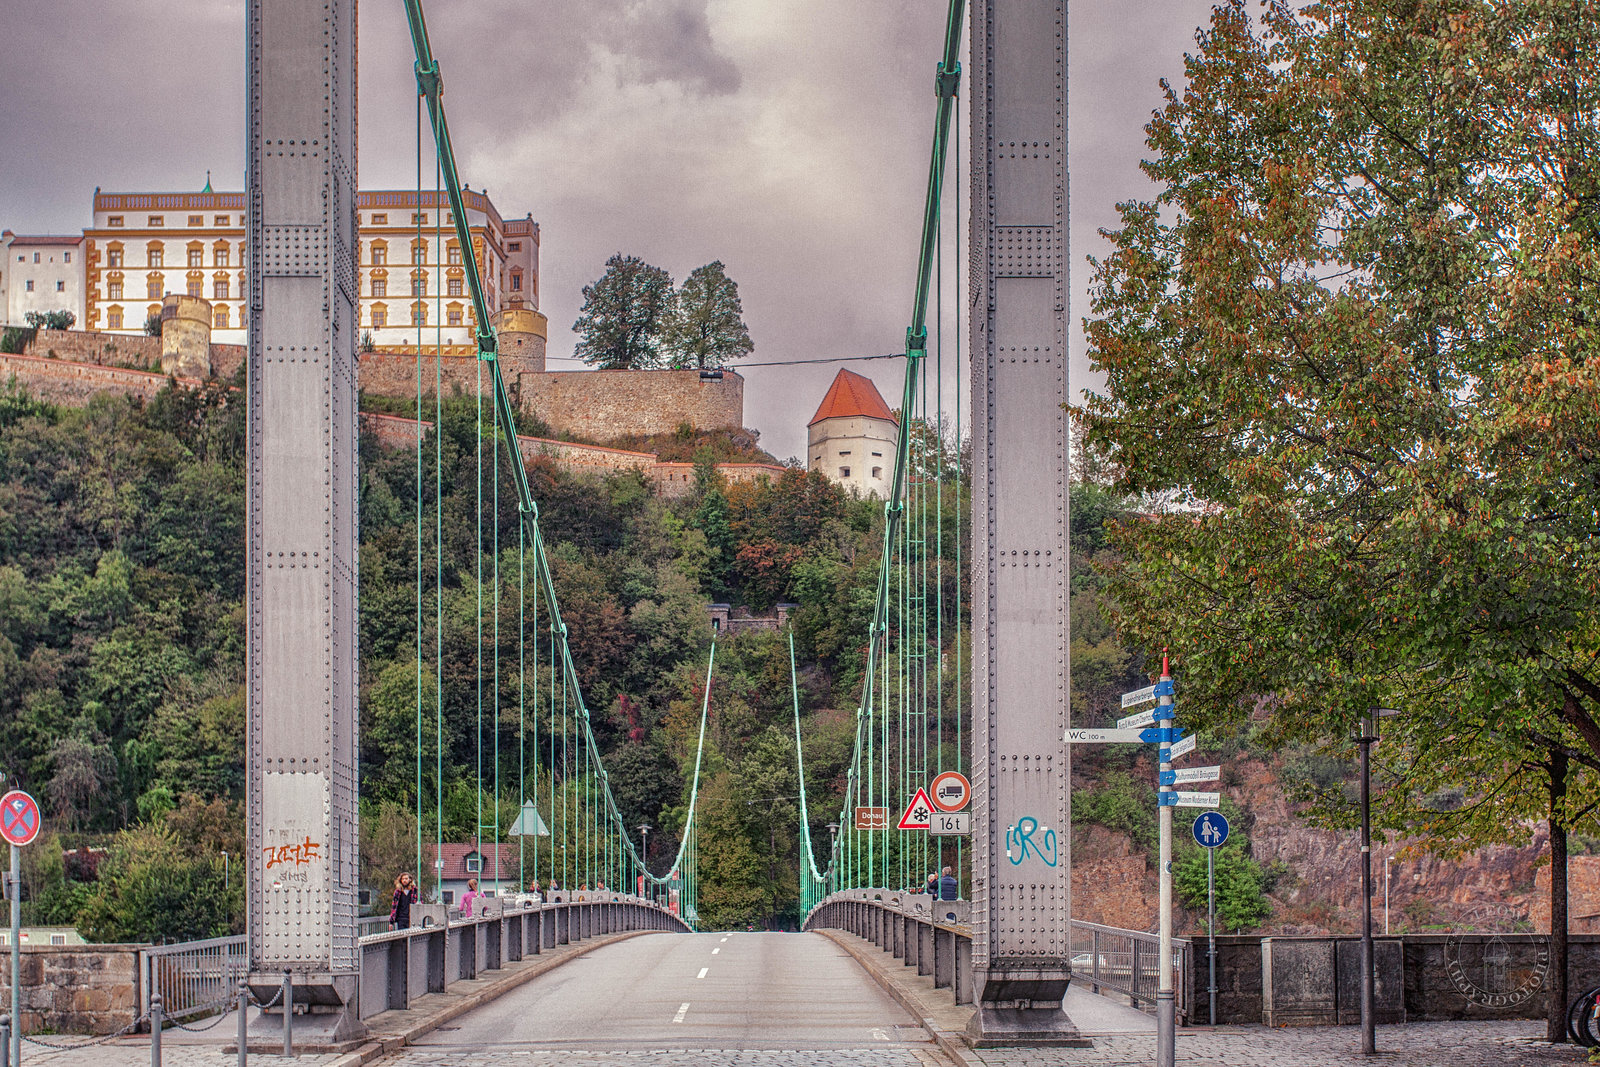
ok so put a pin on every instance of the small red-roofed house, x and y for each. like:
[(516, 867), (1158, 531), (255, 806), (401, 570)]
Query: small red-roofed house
[(851, 438)]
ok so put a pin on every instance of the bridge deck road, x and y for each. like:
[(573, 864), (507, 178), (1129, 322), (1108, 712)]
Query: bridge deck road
[(710, 998)]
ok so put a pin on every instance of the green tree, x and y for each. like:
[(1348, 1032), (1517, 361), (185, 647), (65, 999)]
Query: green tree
[(705, 326), (51, 320), (1240, 882), (623, 315), (1354, 330), (150, 888)]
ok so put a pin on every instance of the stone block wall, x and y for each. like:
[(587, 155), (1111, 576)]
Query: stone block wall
[(76, 989), (1444, 975), (62, 382), (104, 349), (605, 404), (599, 405)]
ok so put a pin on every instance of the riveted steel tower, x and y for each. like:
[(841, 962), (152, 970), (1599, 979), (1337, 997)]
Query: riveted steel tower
[(301, 508), (1019, 279)]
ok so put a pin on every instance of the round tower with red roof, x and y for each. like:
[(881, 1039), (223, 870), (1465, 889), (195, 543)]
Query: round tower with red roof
[(851, 438)]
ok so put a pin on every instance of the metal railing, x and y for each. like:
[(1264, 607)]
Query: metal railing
[(192, 977), (197, 978), (1110, 959), (934, 937)]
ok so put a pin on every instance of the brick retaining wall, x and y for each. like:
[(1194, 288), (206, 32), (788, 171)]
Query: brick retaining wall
[(76, 989)]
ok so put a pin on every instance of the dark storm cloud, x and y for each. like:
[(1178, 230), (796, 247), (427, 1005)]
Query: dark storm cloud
[(788, 138)]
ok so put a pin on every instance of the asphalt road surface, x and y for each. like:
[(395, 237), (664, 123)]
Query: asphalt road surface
[(696, 998)]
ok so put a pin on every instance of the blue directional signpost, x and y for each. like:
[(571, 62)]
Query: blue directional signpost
[(1156, 726), (1210, 831)]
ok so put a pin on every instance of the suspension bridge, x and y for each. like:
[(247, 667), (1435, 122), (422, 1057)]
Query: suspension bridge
[(965, 662)]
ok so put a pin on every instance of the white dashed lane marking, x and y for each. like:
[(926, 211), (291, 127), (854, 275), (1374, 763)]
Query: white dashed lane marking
[(683, 1009), (702, 973)]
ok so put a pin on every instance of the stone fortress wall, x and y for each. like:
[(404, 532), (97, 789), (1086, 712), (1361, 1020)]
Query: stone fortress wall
[(70, 366)]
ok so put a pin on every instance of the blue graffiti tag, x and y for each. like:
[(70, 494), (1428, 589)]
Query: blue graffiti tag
[(1019, 842)]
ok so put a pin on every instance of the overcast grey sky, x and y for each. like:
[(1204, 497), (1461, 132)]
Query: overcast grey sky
[(788, 138)]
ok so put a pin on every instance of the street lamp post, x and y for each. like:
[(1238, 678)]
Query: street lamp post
[(1369, 735), (224, 870)]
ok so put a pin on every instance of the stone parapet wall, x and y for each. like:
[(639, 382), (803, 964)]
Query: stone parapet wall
[(599, 405), (61, 382), (104, 349), (76, 989), (606, 404)]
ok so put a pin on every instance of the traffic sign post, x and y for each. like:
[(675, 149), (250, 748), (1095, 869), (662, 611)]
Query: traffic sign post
[(19, 825), (918, 814), (1210, 831), (1166, 1003), (950, 791)]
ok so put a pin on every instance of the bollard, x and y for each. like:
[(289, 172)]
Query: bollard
[(5, 1041), (155, 1031), (288, 1014), (244, 1005)]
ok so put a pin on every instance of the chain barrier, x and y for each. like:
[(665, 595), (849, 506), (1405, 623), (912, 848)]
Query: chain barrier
[(90, 1042), (231, 1007)]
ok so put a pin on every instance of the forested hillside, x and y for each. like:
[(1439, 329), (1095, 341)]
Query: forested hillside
[(122, 652)]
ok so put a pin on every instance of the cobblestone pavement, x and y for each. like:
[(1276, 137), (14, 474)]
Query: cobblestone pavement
[(678, 1057), (1499, 1044), (135, 1052)]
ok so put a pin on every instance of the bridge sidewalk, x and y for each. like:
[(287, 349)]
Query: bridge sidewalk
[(1124, 1035), (387, 1032), (946, 1020)]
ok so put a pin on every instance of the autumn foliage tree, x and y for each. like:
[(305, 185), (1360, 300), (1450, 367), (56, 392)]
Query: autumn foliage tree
[(1355, 331)]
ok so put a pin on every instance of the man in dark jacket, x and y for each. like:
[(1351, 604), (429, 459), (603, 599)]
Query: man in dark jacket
[(949, 888)]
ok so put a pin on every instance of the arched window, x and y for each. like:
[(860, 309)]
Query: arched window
[(380, 253), (380, 316), (454, 254), (219, 317), (419, 283), (196, 284), (114, 317), (419, 252), (114, 255), (219, 287), (877, 472), (114, 285), (197, 254), (155, 287), (155, 254), (419, 314), (219, 254), (452, 314), (152, 312)]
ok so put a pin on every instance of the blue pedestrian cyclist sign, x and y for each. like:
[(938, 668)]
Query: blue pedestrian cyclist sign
[(1210, 829)]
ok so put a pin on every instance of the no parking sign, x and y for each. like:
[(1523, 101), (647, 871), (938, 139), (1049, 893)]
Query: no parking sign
[(19, 818)]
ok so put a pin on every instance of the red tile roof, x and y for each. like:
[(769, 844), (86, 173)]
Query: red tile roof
[(852, 396), (455, 861), (45, 239)]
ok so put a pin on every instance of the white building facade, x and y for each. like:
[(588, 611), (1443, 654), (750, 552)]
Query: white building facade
[(412, 277), (41, 273)]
